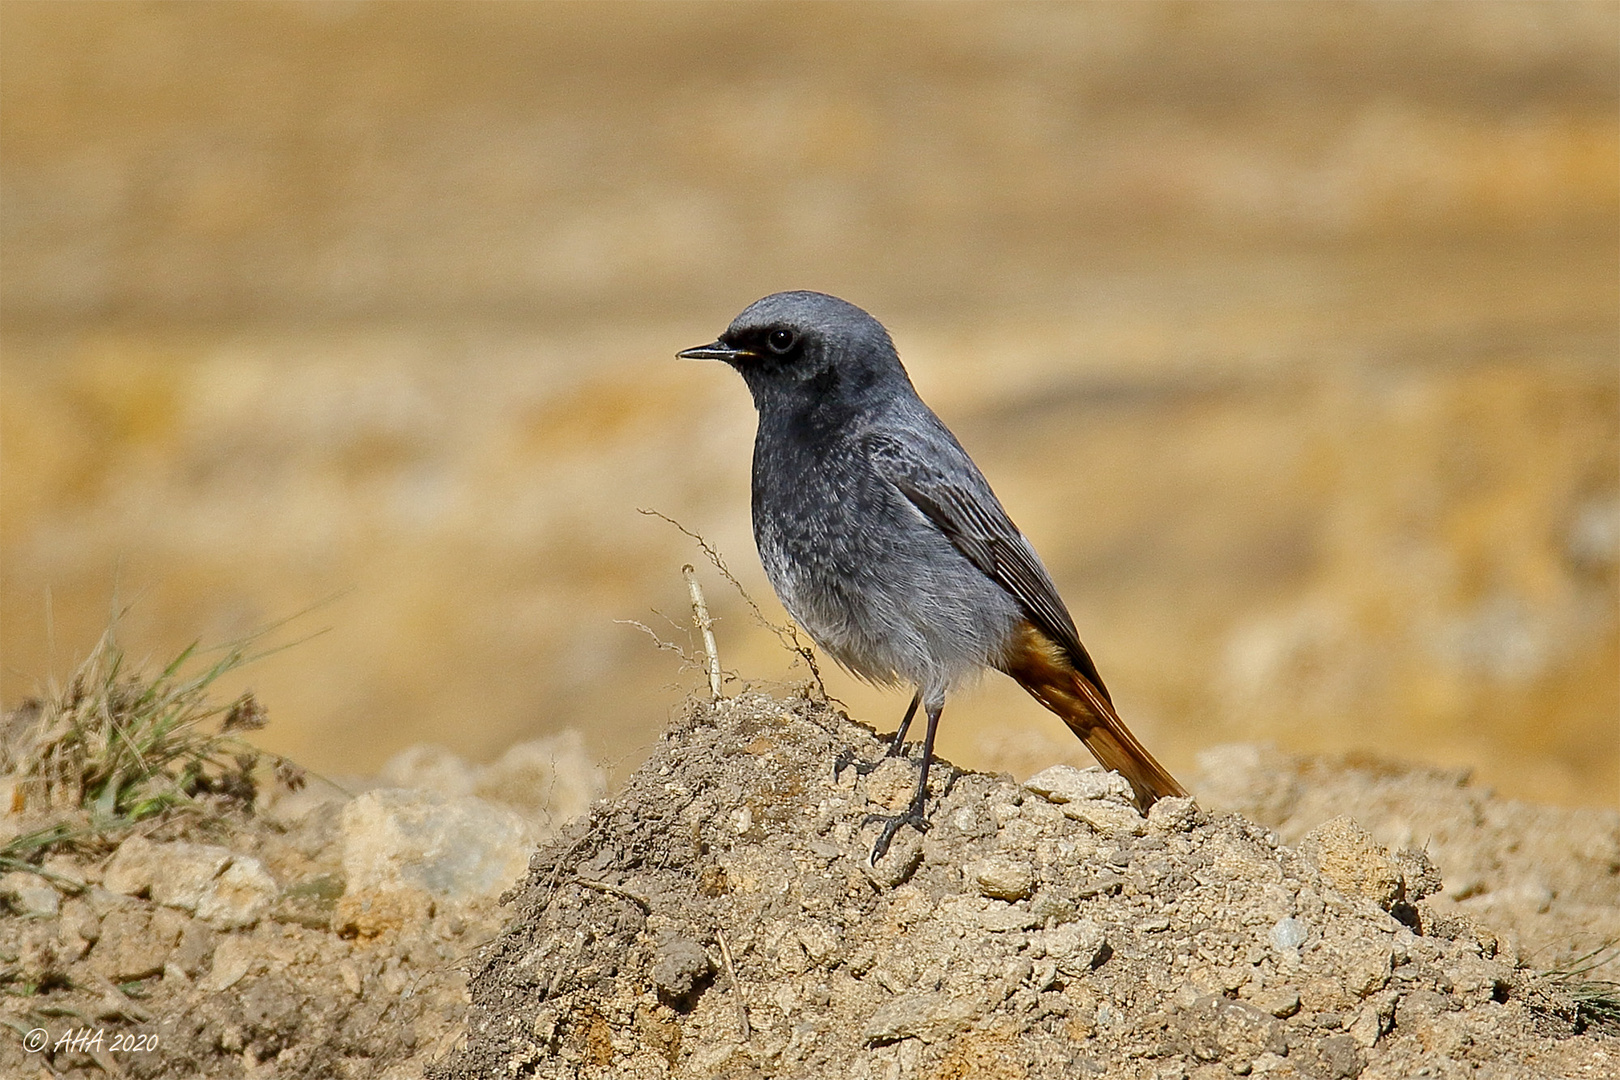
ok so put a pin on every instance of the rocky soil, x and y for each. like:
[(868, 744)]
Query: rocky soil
[(720, 917), (323, 935)]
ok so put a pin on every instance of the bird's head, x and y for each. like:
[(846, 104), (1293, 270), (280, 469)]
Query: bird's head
[(806, 348)]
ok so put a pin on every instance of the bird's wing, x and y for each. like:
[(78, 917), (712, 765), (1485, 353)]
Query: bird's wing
[(949, 490)]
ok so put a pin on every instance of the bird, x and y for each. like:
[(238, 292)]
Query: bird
[(884, 541)]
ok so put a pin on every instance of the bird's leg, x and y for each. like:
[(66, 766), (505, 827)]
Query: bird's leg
[(913, 814), (896, 746), (899, 744)]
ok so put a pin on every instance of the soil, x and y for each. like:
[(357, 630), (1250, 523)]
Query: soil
[(721, 917), (301, 994)]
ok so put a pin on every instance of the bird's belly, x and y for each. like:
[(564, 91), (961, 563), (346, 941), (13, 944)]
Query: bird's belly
[(886, 597)]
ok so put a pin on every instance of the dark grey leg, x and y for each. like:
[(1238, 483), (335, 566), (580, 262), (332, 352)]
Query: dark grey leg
[(899, 743), (913, 815)]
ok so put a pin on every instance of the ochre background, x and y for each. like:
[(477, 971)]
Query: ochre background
[(1287, 332)]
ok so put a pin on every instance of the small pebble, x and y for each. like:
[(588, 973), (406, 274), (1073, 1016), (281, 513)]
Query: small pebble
[(1002, 878), (1288, 934)]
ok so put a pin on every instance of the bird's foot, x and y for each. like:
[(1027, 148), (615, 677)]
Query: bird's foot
[(847, 760), (913, 816)]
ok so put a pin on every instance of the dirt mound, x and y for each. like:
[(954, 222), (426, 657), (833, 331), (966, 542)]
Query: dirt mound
[(719, 917), (303, 934), (140, 980), (1548, 875)]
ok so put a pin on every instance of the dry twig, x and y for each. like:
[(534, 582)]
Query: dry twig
[(736, 987), (705, 625), (614, 890), (788, 635)]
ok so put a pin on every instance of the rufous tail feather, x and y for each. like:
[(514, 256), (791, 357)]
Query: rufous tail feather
[(1041, 667), (1112, 744)]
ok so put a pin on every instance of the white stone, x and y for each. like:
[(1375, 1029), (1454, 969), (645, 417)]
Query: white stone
[(175, 874), (1288, 934), (30, 895), (1173, 814), (451, 849), (978, 913), (1002, 878), (429, 767), (903, 1018), (1066, 784), (239, 896), (1107, 817), (232, 959), (1076, 947), (551, 779)]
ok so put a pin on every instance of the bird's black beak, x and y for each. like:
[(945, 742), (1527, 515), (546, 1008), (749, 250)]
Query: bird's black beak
[(716, 350)]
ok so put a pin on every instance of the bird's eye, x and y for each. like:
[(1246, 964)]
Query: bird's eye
[(781, 341)]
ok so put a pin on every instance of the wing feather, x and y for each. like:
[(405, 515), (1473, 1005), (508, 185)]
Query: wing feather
[(961, 505)]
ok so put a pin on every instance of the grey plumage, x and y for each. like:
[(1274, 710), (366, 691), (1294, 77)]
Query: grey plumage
[(885, 542), (875, 583)]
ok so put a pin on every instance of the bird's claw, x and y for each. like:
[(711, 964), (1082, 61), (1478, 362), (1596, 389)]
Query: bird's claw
[(891, 825), (850, 761)]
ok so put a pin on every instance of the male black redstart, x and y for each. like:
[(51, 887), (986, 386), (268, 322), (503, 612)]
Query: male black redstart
[(884, 541)]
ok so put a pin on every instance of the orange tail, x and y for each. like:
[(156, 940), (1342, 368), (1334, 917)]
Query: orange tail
[(1041, 667)]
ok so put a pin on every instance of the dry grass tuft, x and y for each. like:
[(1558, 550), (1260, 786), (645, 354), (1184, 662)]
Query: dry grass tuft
[(1596, 1001), (115, 747)]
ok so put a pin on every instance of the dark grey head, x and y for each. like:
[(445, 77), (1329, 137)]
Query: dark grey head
[(807, 349)]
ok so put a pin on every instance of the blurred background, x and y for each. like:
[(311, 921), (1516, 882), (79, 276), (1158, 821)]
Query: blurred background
[(1288, 333)]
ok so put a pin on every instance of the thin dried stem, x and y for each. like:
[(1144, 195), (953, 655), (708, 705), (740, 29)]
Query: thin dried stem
[(705, 625), (687, 659), (613, 890), (788, 635), (736, 987)]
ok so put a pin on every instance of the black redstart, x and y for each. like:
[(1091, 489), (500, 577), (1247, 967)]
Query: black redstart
[(884, 541)]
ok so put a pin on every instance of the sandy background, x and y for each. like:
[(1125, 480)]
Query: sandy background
[(1287, 332)]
